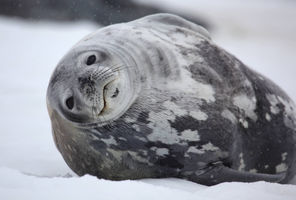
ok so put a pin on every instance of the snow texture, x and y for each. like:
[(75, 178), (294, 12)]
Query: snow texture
[(260, 33), (15, 185)]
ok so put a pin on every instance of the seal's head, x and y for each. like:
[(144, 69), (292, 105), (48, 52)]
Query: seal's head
[(90, 85)]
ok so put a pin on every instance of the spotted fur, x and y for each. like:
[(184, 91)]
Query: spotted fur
[(175, 105)]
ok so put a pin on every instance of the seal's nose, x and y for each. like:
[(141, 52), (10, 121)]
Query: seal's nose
[(70, 102), (74, 107), (81, 107)]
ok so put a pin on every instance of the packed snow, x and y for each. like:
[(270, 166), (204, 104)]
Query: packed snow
[(261, 34), (15, 185)]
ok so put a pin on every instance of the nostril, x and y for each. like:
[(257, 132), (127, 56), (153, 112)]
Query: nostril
[(70, 103)]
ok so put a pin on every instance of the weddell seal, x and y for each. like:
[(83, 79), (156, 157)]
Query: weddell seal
[(155, 97)]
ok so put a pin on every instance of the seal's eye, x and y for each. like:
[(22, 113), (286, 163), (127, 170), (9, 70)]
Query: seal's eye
[(91, 60)]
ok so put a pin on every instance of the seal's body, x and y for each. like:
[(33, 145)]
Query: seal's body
[(156, 98)]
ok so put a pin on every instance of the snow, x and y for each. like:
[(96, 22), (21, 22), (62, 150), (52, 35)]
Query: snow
[(14, 185), (261, 34), (29, 53)]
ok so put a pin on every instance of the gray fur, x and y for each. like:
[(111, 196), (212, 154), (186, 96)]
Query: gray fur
[(175, 105)]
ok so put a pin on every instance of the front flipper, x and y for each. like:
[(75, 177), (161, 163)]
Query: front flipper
[(218, 173)]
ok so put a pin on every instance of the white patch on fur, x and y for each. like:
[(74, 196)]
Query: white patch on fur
[(136, 127), (273, 103), (284, 156), (289, 106), (289, 109), (244, 123), (253, 170), (178, 111), (122, 138), (229, 115), (193, 150), (136, 157), (247, 104), (247, 83), (199, 115), (206, 147), (190, 135), (266, 166), (165, 115), (242, 162), (281, 168), (174, 108), (209, 147), (160, 151), (129, 120), (290, 113), (109, 141), (189, 85), (141, 138), (267, 117), (162, 130), (119, 155)]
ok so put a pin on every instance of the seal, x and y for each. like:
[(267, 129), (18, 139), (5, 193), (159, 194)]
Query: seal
[(155, 97)]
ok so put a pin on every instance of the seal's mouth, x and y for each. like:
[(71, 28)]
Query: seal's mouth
[(105, 90), (104, 100)]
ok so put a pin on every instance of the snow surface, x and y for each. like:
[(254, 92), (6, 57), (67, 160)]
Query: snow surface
[(15, 185), (261, 34)]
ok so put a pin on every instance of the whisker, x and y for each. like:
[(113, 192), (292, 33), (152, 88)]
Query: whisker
[(100, 74), (121, 67), (104, 72), (93, 105)]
